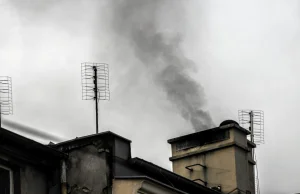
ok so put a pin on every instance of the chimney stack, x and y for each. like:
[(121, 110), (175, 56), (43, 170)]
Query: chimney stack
[(220, 158)]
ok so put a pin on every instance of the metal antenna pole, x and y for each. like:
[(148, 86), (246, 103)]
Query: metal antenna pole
[(96, 95), (254, 119)]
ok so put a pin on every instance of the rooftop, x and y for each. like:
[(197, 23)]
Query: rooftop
[(87, 140), (25, 149), (91, 137)]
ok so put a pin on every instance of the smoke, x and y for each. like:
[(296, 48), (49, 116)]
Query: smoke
[(140, 23), (31, 131)]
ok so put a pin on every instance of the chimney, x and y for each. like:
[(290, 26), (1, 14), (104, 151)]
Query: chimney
[(219, 158)]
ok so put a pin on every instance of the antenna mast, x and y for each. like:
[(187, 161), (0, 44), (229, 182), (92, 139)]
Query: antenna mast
[(95, 84), (254, 120), (6, 105)]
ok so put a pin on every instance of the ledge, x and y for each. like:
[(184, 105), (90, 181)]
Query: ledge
[(150, 185), (251, 161), (224, 127), (222, 146), (251, 144)]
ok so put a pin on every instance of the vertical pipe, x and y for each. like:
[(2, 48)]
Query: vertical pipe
[(63, 177), (252, 130), (252, 126), (96, 95), (0, 116), (205, 170)]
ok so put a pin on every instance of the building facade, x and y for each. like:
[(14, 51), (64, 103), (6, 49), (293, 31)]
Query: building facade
[(27, 166), (102, 164)]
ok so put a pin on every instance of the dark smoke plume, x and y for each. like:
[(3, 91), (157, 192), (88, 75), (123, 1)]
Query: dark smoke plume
[(31, 131), (137, 21)]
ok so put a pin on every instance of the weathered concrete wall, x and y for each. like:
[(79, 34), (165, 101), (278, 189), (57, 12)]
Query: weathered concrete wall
[(241, 158), (33, 181), (251, 177), (122, 149), (239, 137), (87, 171), (126, 186), (251, 167), (244, 165), (142, 186), (204, 147), (220, 168), (29, 179), (227, 163)]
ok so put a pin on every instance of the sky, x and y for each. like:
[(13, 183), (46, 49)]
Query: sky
[(241, 55)]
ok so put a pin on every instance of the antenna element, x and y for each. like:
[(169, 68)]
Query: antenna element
[(95, 84), (254, 121), (6, 105)]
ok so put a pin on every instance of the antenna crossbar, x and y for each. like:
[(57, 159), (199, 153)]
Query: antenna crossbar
[(254, 121)]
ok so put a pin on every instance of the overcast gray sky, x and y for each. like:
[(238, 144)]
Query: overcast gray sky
[(246, 54)]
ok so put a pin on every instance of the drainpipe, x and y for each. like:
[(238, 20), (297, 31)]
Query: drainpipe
[(63, 177)]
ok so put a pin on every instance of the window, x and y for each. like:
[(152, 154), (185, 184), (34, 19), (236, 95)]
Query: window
[(6, 180)]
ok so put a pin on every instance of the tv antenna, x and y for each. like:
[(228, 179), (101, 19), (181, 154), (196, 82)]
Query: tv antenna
[(95, 83), (6, 105), (254, 121)]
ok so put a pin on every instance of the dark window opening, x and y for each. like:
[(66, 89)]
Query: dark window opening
[(5, 181)]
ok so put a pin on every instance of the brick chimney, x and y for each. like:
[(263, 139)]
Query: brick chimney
[(219, 158)]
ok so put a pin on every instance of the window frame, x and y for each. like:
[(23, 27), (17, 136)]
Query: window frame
[(14, 168), (11, 178)]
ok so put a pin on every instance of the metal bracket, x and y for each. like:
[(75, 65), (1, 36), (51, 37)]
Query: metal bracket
[(237, 189), (191, 169), (205, 183)]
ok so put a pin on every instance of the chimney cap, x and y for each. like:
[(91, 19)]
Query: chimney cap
[(227, 122)]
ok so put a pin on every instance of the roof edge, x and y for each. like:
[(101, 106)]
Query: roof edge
[(152, 180), (228, 126), (24, 140), (252, 144), (141, 162), (89, 136), (222, 146)]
